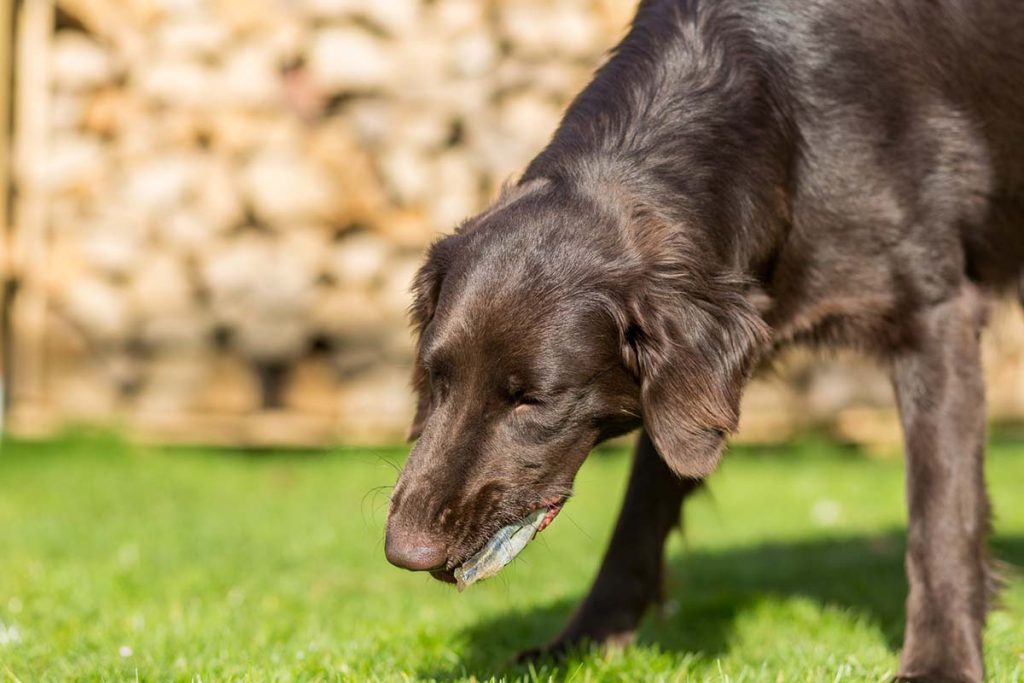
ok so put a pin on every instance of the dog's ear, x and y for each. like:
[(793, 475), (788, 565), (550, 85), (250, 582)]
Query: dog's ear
[(426, 288), (693, 356), (692, 341)]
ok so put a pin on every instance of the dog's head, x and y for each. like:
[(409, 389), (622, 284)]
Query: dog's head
[(545, 325)]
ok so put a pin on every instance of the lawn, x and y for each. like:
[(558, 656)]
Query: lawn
[(125, 563)]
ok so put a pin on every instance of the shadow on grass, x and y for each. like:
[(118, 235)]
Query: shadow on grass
[(862, 575)]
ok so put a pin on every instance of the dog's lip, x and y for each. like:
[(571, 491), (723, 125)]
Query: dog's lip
[(553, 511), (445, 575), (554, 506)]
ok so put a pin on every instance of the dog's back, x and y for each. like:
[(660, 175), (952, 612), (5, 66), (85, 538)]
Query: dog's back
[(921, 103)]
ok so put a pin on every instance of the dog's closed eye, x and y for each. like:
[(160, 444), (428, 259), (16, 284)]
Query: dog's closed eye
[(523, 402)]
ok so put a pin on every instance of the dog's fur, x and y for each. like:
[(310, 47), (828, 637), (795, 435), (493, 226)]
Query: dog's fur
[(741, 175)]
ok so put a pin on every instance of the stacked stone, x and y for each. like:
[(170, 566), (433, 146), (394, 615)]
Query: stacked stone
[(237, 194), (238, 191)]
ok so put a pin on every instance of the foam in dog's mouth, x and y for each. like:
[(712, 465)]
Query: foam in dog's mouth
[(503, 547)]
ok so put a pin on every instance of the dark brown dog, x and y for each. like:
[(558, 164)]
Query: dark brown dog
[(740, 176)]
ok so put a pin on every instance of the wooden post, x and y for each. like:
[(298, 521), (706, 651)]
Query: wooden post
[(34, 32), (6, 275)]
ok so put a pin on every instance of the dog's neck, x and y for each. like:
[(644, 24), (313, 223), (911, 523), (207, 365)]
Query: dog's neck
[(686, 121)]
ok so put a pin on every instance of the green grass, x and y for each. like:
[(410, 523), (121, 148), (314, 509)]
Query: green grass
[(121, 563)]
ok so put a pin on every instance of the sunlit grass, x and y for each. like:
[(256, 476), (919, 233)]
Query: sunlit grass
[(121, 563)]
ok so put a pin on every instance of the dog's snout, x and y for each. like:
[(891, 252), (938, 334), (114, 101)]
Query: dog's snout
[(414, 550)]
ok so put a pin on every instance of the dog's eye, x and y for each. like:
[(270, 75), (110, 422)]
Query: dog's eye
[(522, 401)]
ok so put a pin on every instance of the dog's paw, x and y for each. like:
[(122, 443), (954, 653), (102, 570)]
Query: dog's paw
[(567, 643), (934, 677)]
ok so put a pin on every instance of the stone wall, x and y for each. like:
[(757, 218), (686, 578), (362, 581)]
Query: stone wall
[(220, 205)]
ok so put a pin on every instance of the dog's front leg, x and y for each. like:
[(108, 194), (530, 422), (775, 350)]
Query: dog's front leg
[(630, 578), (940, 391)]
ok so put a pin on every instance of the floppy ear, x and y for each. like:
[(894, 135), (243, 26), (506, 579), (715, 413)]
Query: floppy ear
[(693, 352), (426, 288)]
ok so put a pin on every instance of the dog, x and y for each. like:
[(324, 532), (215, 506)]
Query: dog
[(740, 176)]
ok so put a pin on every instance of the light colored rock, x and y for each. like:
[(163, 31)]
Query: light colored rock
[(267, 340), (407, 228), (329, 9), (529, 119), (358, 260), (230, 386), (185, 230), (177, 82), (66, 111), (396, 292), (176, 8), (66, 220), (98, 308), (312, 387), (542, 29), (112, 251), (263, 294), (356, 360), (137, 143), (767, 414), (83, 390), (347, 58), (376, 407), (834, 386), (249, 77), (348, 315), (876, 428), (420, 129), (454, 17), (474, 55), (228, 269), (359, 190), (171, 383), (161, 287), (408, 173), (110, 110), (72, 161), (396, 17), (193, 36), (186, 331), (65, 265), (250, 16), (307, 247), (218, 198), (555, 79), (78, 63), (422, 75), (234, 133), (287, 38), (500, 156), (285, 187), (373, 120), (161, 184), (1003, 359), (181, 129), (455, 191)]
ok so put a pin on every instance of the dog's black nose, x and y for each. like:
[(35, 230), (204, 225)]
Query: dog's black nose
[(413, 550)]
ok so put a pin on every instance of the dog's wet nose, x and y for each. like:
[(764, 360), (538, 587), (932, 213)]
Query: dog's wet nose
[(414, 551)]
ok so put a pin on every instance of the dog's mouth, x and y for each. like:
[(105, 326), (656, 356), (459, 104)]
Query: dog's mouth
[(446, 575), (553, 511), (501, 548)]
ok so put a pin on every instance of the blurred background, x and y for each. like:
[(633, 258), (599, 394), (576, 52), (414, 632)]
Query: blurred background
[(215, 208)]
